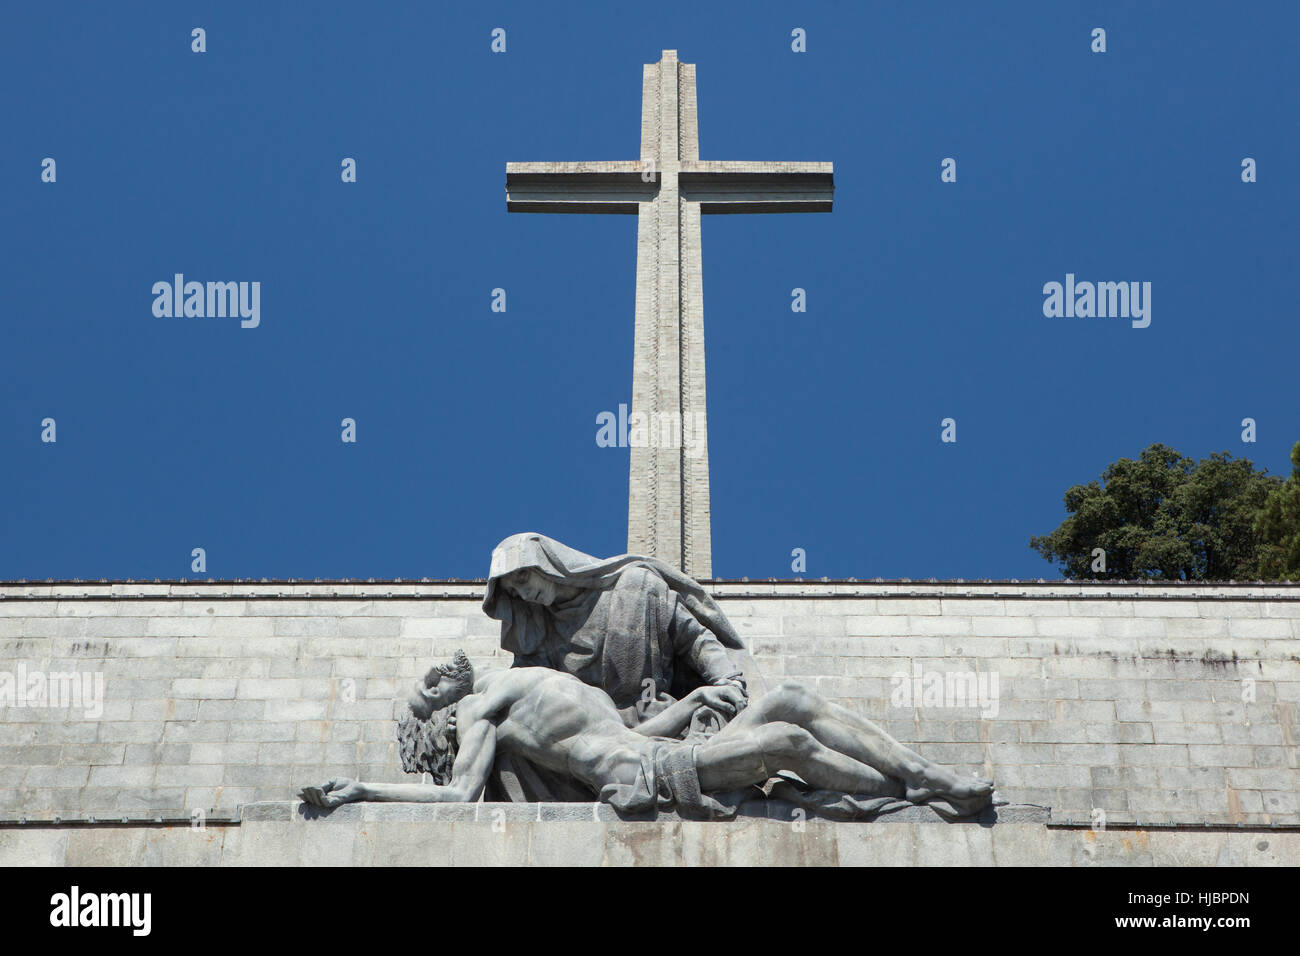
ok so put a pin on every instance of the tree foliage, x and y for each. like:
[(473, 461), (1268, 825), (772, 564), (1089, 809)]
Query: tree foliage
[(1278, 528), (1166, 517)]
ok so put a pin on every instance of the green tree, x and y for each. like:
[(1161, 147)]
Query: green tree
[(1278, 528), (1164, 516)]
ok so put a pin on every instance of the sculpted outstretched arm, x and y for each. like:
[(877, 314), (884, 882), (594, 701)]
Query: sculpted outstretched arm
[(468, 776)]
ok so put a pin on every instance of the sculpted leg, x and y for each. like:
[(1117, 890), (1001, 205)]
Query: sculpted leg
[(844, 732), (731, 761)]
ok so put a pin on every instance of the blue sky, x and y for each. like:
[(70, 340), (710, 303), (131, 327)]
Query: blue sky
[(924, 298)]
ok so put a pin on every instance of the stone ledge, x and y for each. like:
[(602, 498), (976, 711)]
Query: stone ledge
[(351, 841), (777, 811)]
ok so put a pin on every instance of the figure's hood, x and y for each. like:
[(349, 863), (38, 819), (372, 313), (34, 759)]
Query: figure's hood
[(523, 625)]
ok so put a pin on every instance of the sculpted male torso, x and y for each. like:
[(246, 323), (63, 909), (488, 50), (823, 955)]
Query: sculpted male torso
[(555, 720)]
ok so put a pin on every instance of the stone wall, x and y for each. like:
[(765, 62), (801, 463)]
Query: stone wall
[(1153, 704)]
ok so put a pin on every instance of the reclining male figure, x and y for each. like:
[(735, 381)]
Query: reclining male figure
[(553, 719)]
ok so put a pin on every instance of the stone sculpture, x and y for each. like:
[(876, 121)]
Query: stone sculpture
[(630, 625), (459, 722), (623, 688)]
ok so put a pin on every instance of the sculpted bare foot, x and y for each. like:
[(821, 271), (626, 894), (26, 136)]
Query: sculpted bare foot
[(935, 781)]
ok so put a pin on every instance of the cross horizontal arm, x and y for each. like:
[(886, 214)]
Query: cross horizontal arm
[(596, 187), (750, 187)]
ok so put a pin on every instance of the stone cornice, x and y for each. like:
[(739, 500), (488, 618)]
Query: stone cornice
[(453, 589)]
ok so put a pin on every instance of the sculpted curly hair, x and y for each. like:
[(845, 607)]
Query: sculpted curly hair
[(426, 746), (460, 670)]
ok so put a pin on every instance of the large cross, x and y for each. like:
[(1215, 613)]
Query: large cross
[(668, 189)]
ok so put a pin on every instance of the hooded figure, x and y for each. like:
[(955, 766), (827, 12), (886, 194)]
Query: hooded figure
[(631, 625)]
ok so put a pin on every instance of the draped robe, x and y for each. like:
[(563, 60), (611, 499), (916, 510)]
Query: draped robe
[(638, 629)]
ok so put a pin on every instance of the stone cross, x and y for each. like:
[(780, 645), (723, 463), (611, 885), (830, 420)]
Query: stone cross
[(668, 188)]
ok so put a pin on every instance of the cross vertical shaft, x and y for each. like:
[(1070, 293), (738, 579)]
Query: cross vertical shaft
[(668, 488), (669, 188)]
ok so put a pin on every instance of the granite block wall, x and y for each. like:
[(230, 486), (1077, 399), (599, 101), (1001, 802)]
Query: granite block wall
[(1132, 703)]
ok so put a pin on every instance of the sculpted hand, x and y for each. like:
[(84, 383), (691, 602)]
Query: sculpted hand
[(737, 682), (332, 794), (726, 698)]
